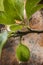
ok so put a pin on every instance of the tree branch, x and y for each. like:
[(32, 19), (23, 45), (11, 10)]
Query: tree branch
[(20, 33)]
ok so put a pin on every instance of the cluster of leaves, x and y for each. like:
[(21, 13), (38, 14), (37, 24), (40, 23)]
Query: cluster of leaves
[(12, 10)]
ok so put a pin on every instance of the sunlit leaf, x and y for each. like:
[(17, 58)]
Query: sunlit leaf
[(3, 38), (1, 5), (31, 5), (38, 7), (16, 27), (22, 53), (5, 19), (13, 9)]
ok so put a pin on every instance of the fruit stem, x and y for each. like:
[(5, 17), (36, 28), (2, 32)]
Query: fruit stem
[(20, 39)]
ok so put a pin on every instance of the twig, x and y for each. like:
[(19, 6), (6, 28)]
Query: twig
[(20, 33)]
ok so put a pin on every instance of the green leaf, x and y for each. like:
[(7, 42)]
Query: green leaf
[(30, 5), (3, 38), (16, 27), (1, 5), (5, 19), (19, 8), (13, 10), (38, 7), (22, 53)]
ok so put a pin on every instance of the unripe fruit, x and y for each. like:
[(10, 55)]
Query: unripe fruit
[(22, 53)]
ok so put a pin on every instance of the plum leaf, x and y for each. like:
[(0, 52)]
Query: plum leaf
[(32, 6), (13, 9)]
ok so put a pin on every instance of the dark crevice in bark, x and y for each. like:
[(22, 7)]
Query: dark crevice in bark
[(20, 33)]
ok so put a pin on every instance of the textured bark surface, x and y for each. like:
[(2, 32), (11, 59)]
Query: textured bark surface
[(36, 22), (9, 52)]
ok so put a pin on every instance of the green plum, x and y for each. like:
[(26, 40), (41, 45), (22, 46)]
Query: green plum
[(22, 53)]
